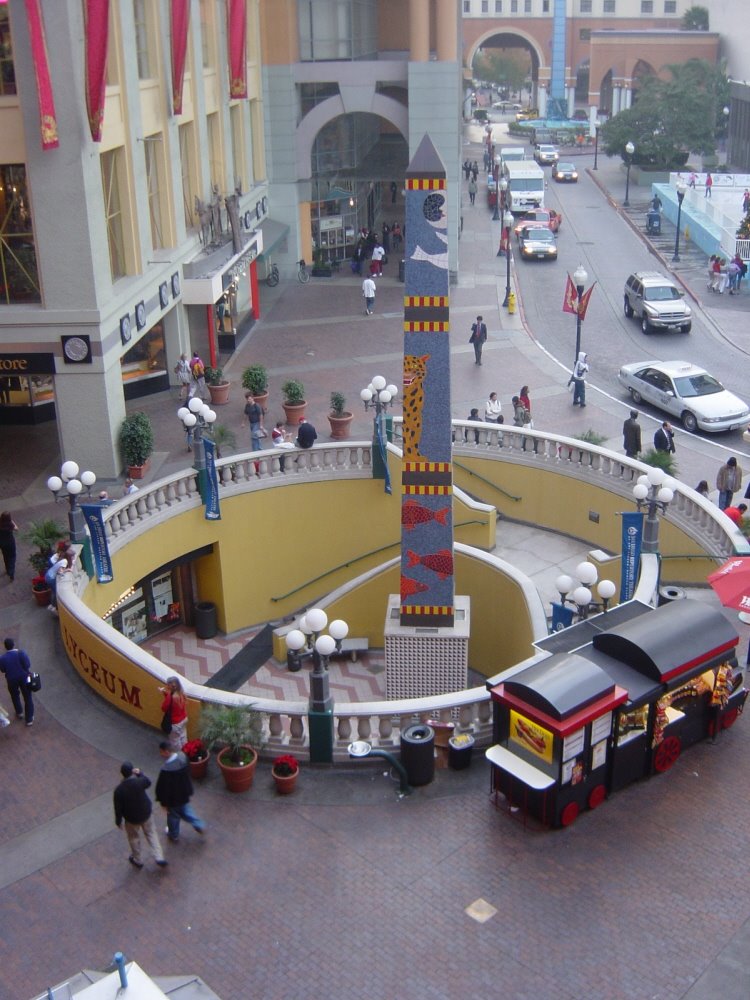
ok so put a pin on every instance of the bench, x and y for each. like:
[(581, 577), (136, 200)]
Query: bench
[(353, 647)]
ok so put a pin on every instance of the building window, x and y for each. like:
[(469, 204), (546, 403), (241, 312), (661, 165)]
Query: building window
[(187, 170), (609, 7), (647, 6), (207, 34), (585, 34), (545, 6), (485, 6), (585, 6), (670, 6), (514, 6), (153, 147), (498, 6), (238, 146), (7, 70), (143, 35), (467, 6), (112, 167), (527, 6), (19, 280)]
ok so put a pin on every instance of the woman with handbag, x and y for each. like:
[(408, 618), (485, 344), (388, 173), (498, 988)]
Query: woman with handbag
[(174, 707)]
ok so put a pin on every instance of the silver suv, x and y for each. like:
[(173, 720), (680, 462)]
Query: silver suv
[(657, 302)]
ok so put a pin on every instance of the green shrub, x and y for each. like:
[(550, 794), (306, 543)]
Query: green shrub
[(294, 392), (255, 380), (136, 439)]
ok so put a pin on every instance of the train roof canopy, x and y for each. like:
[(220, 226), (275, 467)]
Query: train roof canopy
[(560, 685)]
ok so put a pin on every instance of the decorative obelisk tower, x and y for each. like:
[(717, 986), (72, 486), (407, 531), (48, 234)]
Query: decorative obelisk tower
[(427, 609)]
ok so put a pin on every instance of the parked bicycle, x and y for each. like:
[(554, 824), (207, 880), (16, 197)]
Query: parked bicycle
[(272, 276), (303, 275)]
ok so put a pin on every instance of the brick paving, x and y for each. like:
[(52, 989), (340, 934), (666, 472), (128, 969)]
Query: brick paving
[(342, 889)]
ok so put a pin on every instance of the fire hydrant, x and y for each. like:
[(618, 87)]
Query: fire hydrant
[(511, 303)]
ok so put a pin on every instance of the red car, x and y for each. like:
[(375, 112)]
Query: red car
[(539, 217)]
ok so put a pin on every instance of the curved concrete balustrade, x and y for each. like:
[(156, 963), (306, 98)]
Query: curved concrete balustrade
[(91, 644)]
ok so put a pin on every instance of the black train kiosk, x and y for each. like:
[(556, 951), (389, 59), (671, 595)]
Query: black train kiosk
[(617, 698)]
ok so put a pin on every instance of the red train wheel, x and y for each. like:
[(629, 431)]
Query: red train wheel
[(597, 795), (729, 718), (569, 814), (667, 753)]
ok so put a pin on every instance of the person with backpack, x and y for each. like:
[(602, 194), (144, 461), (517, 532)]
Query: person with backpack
[(198, 373), (16, 666)]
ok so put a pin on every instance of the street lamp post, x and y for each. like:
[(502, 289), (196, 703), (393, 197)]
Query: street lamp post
[(581, 595), (308, 640), (580, 277), (653, 493), (74, 484), (680, 196), (378, 396), (596, 145), (629, 149), (496, 172), (507, 222), (197, 418)]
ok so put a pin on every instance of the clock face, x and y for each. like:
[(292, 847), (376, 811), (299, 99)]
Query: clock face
[(125, 329), (164, 295), (140, 315), (76, 348), (175, 285)]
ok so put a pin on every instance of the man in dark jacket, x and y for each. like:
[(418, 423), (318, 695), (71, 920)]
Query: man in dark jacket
[(664, 438), (631, 435), (133, 806), (306, 434), (16, 666), (173, 790)]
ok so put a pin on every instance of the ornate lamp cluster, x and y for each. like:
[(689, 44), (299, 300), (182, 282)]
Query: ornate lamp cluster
[(310, 640), (196, 416), (378, 395), (75, 483), (653, 493), (580, 591)]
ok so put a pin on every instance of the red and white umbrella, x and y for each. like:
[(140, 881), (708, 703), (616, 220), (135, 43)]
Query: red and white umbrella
[(732, 583)]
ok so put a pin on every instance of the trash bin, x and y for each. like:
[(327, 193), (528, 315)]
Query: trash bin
[(459, 751), (402, 270), (418, 753), (670, 593), (205, 620)]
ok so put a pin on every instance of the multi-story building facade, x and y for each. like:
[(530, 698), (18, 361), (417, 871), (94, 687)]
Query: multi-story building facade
[(112, 132)]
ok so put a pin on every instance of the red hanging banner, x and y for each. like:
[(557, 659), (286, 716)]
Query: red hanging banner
[(96, 26), (237, 45), (570, 298), (180, 24), (47, 117)]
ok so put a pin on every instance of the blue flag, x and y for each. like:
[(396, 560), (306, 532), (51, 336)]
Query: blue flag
[(383, 455), (211, 498), (632, 535), (95, 523), (562, 616)]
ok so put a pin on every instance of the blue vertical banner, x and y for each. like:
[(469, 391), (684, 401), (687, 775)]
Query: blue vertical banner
[(93, 514), (562, 616), (380, 436), (632, 536), (211, 498)]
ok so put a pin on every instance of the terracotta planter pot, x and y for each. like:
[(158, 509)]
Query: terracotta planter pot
[(219, 393), (139, 471), (340, 426), (238, 779), (285, 783), (294, 412), (198, 768), (42, 597), (261, 399)]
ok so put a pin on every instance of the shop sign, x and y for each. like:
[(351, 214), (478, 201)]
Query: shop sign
[(27, 364), (331, 222), (109, 681), (531, 736)]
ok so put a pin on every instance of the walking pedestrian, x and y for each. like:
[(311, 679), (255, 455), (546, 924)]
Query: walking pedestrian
[(493, 409), (523, 395), (578, 377), (472, 190), (16, 666), (475, 170), (133, 807), (664, 438), (129, 487), (728, 481), (198, 374), (368, 291), (184, 377), (746, 201), (394, 192), (376, 264), (396, 235), (709, 185), (254, 413), (702, 488), (8, 542), (174, 789), (631, 435), (175, 702), (478, 338)]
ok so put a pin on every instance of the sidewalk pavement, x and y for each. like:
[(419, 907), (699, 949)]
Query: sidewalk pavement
[(342, 887)]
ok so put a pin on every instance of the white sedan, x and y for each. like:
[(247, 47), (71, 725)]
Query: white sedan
[(687, 392)]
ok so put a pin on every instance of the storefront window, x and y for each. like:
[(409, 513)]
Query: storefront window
[(19, 280), (150, 607), (147, 358), (23, 390), (7, 70)]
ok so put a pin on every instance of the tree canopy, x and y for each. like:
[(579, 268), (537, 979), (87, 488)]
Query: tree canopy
[(505, 69), (695, 19), (672, 118)]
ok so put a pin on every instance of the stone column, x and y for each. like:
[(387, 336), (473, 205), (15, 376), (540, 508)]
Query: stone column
[(419, 30)]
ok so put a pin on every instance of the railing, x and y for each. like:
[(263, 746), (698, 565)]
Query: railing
[(381, 722)]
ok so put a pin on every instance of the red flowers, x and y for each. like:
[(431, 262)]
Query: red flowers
[(195, 750), (285, 765)]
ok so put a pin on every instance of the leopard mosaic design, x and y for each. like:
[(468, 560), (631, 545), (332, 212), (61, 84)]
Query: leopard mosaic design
[(415, 369)]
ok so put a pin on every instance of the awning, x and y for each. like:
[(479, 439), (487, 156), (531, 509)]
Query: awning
[(273, 233)]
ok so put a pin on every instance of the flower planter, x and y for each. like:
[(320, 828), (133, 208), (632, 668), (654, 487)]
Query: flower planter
[(42, 597), (219, 393), (294, 412), (285, 783), (261, 398), (139, 471), (237, 778), (340, 426), (198, 768)]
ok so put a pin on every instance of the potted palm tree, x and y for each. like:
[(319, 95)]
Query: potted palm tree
[(238, 731), (339, 418), (44, 535), (137, 443), (255, 380), (223, 437), (294, 401), (218, 386)]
